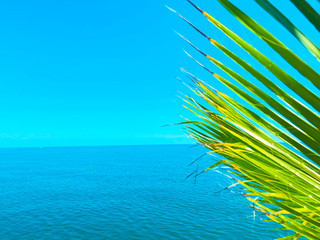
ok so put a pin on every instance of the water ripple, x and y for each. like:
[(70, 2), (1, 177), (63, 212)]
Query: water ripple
[(135, 192)]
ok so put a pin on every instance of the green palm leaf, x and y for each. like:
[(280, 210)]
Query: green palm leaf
[(270, 144), (275, 13)]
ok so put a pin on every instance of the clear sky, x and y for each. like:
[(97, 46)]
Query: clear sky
[(80, 73)]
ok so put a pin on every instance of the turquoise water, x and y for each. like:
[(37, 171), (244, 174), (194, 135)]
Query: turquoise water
[(121, 192)]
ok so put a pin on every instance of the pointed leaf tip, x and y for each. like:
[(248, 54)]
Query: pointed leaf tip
[(195, 6)]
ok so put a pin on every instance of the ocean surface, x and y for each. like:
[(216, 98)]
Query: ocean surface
[(121, 192)]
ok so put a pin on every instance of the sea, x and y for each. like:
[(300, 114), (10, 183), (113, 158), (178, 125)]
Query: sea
[(122, 192)]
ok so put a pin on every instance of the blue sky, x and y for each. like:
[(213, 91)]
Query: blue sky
[(81, 73)]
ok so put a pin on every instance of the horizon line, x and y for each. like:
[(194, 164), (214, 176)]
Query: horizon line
[(116, 145)]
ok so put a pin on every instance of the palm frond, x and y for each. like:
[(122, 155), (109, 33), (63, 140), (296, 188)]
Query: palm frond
[(270, 143)]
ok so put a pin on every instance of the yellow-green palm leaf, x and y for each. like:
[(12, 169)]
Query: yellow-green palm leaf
[(271, 140)]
